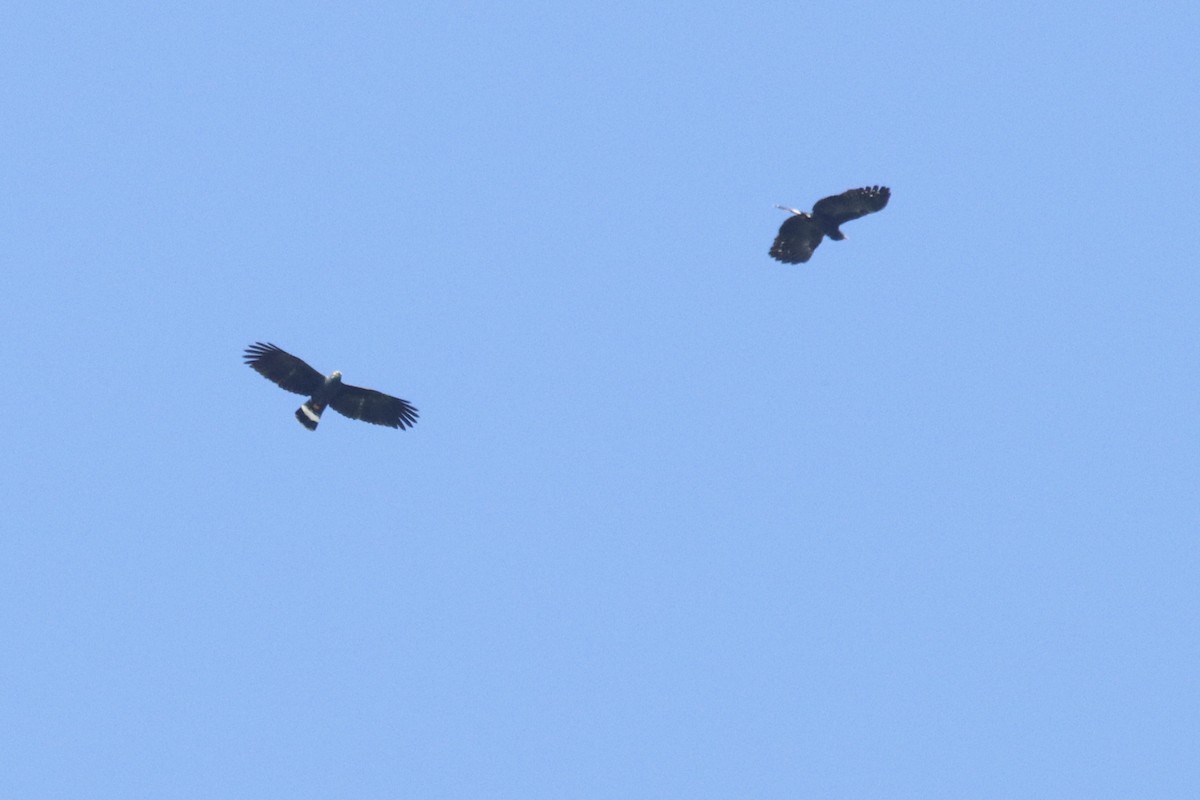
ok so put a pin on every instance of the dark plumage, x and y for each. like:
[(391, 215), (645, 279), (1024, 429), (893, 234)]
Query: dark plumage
[(800, 233), (354, 402)]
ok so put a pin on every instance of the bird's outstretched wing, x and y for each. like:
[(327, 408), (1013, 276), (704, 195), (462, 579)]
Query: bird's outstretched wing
[(798, 236), (852, 204), (374, 407), (283, 369)]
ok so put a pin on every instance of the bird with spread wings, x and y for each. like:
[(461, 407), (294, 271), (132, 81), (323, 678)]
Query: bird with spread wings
[(292, 374), (802, 232)]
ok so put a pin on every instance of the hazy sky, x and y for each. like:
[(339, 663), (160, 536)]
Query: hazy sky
[(916, 519)]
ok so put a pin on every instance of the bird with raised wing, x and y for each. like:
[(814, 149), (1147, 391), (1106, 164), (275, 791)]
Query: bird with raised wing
[(800, 233)]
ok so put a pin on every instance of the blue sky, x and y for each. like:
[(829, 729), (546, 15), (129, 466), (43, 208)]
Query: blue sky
[(916, 519)]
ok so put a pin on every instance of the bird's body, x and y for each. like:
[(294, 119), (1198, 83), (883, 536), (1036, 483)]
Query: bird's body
[(800, 233), (310, 412), (294, 375)]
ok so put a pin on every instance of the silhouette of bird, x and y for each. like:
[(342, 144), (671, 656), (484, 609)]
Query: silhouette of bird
[(290, 373), (800, 233)]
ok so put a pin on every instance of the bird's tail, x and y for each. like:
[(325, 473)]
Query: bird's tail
[(309, 414)]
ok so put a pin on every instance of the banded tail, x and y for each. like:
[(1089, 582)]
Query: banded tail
[(309, 414)]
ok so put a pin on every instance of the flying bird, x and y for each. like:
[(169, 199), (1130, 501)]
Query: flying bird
[(800, 233), (354, 402)]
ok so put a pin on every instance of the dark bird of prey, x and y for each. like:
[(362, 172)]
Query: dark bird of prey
[(354, 402), (800, 233)]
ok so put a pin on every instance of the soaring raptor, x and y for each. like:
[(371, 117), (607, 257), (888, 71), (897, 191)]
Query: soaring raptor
[(801, 233), (354, 402)]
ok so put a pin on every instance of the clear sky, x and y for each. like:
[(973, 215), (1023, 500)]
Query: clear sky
[(916, 519)]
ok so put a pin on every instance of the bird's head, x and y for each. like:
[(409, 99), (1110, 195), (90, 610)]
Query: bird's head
[(336, 376), (793, 210)]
